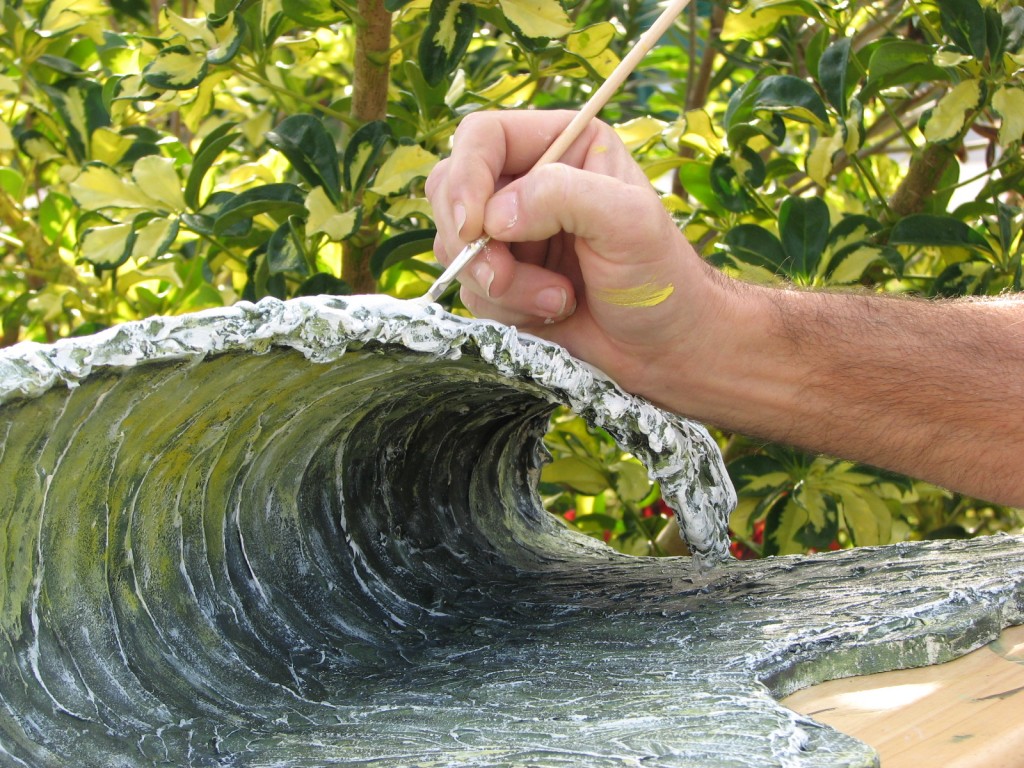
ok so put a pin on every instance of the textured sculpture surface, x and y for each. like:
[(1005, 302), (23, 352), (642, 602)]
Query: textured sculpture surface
[(307, 533)]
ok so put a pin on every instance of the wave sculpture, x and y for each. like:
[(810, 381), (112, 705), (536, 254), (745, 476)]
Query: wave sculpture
[(307, 533)]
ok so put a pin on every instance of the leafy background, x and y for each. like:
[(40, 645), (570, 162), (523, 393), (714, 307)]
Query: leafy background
[(165, 159)]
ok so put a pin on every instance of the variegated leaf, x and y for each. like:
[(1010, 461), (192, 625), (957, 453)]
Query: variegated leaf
[(108, 246), (403, 166), (158, 177), (950, 114), (325, 218), (640, 132), (154, 238), (1009, 103), (537, 18), (176, 68), (99, 187)]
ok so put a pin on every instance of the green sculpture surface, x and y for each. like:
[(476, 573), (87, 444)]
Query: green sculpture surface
[(307, 533)]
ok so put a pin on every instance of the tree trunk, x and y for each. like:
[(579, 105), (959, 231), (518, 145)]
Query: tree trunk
[(921, 182), (369, 103)]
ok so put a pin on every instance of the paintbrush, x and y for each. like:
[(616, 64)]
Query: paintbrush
[(570, 133)]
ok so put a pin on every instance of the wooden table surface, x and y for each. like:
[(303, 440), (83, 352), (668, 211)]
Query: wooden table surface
[(965, 713)]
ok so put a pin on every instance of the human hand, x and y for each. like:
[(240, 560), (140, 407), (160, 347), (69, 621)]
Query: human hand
[(582, 251)]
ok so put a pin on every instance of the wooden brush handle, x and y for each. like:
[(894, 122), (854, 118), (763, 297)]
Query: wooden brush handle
[(612, 84)]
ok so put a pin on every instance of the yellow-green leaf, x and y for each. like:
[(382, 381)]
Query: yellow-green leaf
[(948, 118), (821, 158), (851, 268), (591, 44), (739, 518), (406, 164), (6, 138), (509, 90), (109, 146), (1009, 103), (766, 481), (157, 176), (98, 187), (402, 208), (153, 239), (66, 15), (632, 483), (592, 40), (578, 474), (192, 30), (695, 130), (325, 218), (537, 18), (791, 523), (754, 21), (640, 132), (868, 519), (106, 246), (176, 68)]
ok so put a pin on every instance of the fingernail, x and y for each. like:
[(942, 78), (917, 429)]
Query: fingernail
[(460, 218), (502, 212), (484, 275), (551, 301)]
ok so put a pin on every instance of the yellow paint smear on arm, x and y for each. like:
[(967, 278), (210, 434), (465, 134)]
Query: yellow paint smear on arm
[(646, 295)]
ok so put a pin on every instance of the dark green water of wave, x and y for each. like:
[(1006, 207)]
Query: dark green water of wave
[(308, 534)]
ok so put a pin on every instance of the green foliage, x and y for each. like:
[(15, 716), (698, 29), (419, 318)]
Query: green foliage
[(224, 151), (598, 490)]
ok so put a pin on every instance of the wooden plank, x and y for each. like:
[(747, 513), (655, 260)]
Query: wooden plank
[(961, 714)]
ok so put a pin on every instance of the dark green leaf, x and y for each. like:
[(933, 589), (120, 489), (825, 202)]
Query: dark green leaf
[(399, 248), (280, 200), (1013, 29), (835, 73), (964, 22), (61, 65), (754, 465), (323, 283), (792, 97), (284, 253), (995, 36), (449, 30), (309, 147), (203, 220), (215, 142), (772, 128), (901, 62), (926, 229), (727, 187), (803, 229), (752, 165), (362, 153), (753, 244)]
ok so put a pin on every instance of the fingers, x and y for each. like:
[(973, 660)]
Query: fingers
[(616, 219), (523, 295), (501, 285), (490, 148)]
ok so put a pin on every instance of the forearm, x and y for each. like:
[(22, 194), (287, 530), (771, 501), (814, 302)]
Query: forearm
[(929, 389)]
